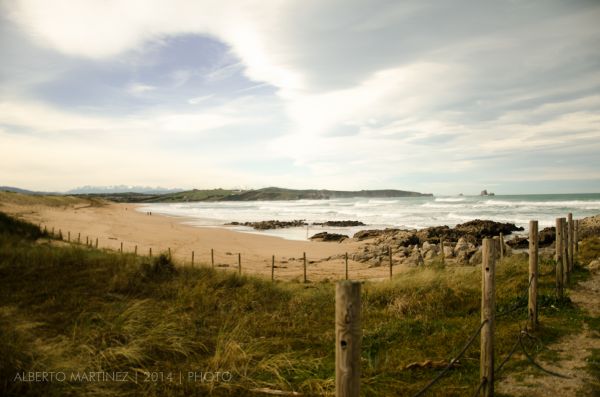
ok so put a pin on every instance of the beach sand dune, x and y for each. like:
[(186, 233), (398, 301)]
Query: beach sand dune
[(113, 223)]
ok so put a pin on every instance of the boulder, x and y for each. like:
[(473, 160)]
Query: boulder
[(448, 251), (461, 246), (324, 236)]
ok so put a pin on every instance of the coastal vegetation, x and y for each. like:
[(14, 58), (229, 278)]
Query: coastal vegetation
[(269, 193), (74, 309)]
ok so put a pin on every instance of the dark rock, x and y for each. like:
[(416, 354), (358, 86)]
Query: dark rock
[(546, 237), (518, 242), (486, 228), (324, 236), (340, 223), (272, 224), (367, 234)]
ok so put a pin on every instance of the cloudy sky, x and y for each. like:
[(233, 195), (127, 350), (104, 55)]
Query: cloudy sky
[(432, 96)]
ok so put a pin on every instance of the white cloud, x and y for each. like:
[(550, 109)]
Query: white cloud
[(377, 88)]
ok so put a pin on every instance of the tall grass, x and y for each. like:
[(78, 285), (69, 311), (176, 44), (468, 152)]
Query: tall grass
[(72, 308)]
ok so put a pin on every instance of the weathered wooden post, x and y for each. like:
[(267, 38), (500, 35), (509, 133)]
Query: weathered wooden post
[(533, 274), (304, 261), (150, 252), (501, 246), (212, 257), (78, 238), (96, 242), (576, 237), (346, 266), (87, 242), (390, 258), (135, 251), (192, 258), (69, 236), (348, 337), (559, 253), (565, 246), (239, 263), (442, 250), (121, 249), (169, 252), (497, 248), (273, 268), (571, 231), (488, 309)]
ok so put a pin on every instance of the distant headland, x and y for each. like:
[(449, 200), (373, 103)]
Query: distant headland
[(269, 193)]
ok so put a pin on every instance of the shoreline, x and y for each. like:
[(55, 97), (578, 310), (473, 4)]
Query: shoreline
[(113, 223), (129, 224)]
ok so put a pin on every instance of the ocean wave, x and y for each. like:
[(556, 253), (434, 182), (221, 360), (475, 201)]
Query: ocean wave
[(591, 205), (449, 199)]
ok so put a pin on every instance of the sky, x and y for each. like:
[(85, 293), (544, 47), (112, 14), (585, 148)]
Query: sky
[(442, 97)]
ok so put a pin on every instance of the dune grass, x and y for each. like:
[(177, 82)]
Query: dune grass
[(50, 200), (76, 309)]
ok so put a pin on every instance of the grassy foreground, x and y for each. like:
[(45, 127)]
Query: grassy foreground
[(75, 310)]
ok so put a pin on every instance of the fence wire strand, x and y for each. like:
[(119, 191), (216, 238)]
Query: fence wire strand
[(532, 361), (452, 362)]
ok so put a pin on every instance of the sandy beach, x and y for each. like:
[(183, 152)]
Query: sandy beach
[(114, 223)]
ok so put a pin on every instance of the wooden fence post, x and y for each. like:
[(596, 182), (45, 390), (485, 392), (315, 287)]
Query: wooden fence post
[(501, 246), (533, 274), (576, 237), (442, 250), (87, 242), (135, 251), (348, 337), (390, 258), (121, 249), (96, 242), (78, 238), (150, 252), (559, 253), (488, 309), (239, 263), (571, 240), (192, 258), (304, 259), (565, 246), (69, 236), (212, 257), (346, 265), (169, 252), (273, 268)]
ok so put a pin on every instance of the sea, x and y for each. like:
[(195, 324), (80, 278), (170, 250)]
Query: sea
[(379, 213)]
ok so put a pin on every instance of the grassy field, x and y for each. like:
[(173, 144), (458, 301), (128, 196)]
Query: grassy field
[(73, 309)]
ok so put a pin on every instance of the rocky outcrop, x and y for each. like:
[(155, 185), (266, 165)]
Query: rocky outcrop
[(324, 236), (340, 223), (373, 233), (272, 224), (486, 228), (589, 227)]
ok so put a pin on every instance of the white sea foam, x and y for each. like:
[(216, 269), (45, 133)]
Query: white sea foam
[(417, 212)]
